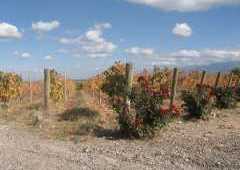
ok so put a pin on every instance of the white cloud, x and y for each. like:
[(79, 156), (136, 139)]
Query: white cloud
[(203, 57), (24, 55), (182, 30), (137, 51), (187, 53), (48, 57), (91, 43), (9, 31), (42, 26), (68, 40), (185, 5), (186, 57)]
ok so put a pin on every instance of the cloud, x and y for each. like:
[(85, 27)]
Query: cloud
[(137, 51), (185, 5), (24, 55), (91, 43), (187, 57), (187, 53), (204, 57), (42, 26), (9, 31), (48, 57), (182, 30)]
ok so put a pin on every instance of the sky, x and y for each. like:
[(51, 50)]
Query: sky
[(85, 37)]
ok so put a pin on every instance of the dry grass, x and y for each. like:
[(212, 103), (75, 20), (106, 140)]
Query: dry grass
[(79, 116)]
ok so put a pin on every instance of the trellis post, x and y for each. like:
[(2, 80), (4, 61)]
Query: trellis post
[(65, 86), (99, 91), (30, 88), (173, 89), (230, 80), (129, 83), (217, 80), (46, 88), (202, 78)]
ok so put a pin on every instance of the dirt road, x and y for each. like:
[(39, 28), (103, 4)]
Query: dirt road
[(213, 144)]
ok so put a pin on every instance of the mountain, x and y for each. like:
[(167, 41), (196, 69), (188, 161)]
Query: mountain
[(216, 67)]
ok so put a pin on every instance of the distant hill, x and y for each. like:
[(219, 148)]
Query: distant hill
[(216, 67)]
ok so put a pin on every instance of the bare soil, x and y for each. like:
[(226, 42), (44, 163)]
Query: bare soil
[(213, 144)]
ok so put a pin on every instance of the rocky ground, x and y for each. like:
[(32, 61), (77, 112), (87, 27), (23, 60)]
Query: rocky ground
[(213, 144)]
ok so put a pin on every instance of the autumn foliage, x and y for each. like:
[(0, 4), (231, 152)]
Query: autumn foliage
[(57, 84), (199, 102), (147, 111), (10, 86)]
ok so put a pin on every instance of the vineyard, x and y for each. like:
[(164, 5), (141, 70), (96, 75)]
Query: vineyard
[(137, 104), (161, 117), (120, 85), (151, 99)]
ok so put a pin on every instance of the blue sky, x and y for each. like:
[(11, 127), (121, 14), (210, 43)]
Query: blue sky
[(85, 37)]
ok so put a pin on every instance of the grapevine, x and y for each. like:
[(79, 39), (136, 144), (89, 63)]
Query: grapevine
[(10, 86), (57, 86)]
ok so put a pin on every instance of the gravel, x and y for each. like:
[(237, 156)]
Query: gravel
[(213, 144)]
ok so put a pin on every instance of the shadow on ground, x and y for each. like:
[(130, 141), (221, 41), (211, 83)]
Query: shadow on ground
[(78, 113), (111, 134), (90, 125)]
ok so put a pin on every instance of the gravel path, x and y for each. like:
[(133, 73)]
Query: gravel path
[(213, 144)]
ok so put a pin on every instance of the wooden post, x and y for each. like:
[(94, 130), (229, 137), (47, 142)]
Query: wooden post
[(129, 83), (99, 92), (46, 88), (237, 82), (156, 70), (65, 87), (30, 88), (173, 88), (202, 78), (93, 93), (230, 80), (99, 96), (217, 80)]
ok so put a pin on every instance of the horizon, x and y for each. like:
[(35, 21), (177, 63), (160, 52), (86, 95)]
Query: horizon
[(39, 75)]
